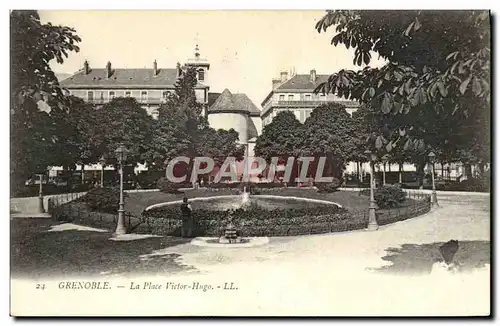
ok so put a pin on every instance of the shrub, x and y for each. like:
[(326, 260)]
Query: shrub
[(149, 179), (167, 186), (104, 200), (329, 186), (256, 221), (364, 192), (389, 196), (481, 184)]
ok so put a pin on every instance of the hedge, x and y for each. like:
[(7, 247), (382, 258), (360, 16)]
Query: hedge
[(257, 221)]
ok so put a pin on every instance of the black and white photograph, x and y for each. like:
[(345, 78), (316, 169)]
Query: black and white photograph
[(248, 163)]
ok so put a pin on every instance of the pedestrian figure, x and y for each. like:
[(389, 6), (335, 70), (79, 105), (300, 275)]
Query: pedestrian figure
[(187, 219)]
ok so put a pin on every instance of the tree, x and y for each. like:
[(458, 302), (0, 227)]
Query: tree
[(125, 122), (183, 130), (436, 60), (220, 144), (33, 45), (79, 131), (280, 138), (330, 132)]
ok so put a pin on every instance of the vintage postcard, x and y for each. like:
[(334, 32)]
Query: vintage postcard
[(250, 163)]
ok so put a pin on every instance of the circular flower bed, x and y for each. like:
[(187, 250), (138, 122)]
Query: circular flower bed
[(262, 217)]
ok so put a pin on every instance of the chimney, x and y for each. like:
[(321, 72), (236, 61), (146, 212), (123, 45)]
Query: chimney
[(108, 69), (155, 69), (284, 76), (86, 67), (276, 83), (313, 75)]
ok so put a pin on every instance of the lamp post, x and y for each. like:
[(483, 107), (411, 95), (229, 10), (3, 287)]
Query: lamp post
[(432, 158), (41, 209), (372, 218), (102, 161), (121, 155)]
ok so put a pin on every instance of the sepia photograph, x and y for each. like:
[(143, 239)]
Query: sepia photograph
[(246, 163)]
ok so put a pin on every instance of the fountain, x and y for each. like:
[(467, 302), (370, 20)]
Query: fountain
[(245, 197), (230, 235)]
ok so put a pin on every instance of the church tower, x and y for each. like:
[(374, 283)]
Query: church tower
[(202, 66)]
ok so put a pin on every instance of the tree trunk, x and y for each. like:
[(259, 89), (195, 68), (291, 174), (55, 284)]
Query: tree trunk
[(83, 172), (468, 171), (481, 168), (383, 174), (400, 173), (420, 174), (361, 172)]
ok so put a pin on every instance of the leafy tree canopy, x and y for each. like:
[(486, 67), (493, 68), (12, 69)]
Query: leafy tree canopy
[(437, 61), (280, 138)]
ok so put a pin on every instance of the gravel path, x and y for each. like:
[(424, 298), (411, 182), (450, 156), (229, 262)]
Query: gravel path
[(359, 273)]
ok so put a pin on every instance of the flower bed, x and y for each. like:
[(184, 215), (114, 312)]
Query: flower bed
[(258, 221)]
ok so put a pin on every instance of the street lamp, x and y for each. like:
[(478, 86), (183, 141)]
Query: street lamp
[(432, 158), (40, 195), (121, 156), (102, 161), (372, 218)]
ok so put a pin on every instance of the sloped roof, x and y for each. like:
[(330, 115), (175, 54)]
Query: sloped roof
[(303, 82), (212, 97), (123, 77), (228, 102)]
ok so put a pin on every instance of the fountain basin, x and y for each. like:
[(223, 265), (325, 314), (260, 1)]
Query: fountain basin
[(212, 242), (270, 202), (260, 216)]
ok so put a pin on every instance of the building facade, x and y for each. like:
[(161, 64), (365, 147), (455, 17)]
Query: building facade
[(295, 92), (151, 86)]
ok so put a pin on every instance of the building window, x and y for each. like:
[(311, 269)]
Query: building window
[(111, 95), (201, 75), (290, 97), (127, 94), (90, 95), (308, 97), (102, 96), (144, 96), (282, 97)]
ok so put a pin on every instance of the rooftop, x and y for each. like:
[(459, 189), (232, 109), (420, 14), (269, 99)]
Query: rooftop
[(228, 102), (301, 82)]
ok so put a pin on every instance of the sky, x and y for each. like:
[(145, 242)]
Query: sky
[(246, 49)]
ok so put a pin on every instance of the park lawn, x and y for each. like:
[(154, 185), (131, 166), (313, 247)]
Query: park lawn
[(36, 253), (138, 201)]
